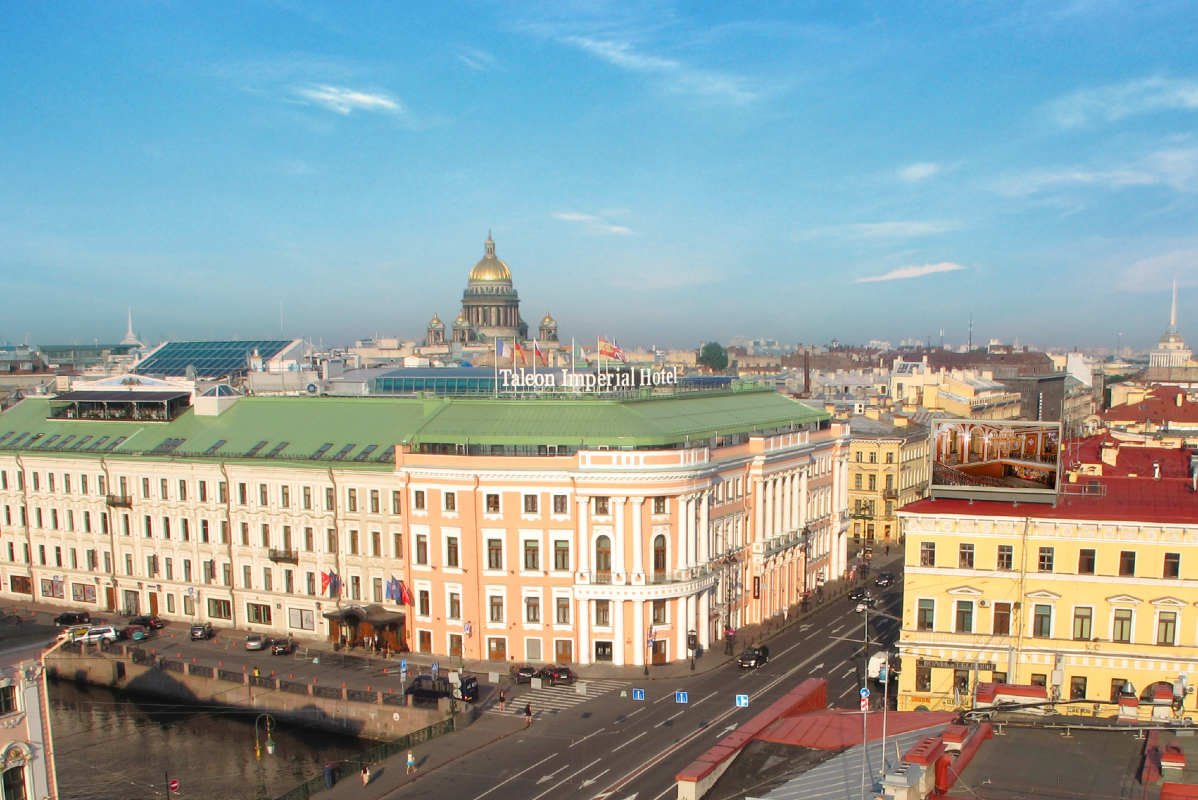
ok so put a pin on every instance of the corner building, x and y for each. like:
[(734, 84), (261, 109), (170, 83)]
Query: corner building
[(577, 529)]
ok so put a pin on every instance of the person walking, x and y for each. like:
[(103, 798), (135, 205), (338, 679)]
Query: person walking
[(411, 763), (502, 700), (527, 714), (365, 775)]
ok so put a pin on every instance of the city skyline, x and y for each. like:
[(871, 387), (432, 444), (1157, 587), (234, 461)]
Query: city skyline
[(660, 174)]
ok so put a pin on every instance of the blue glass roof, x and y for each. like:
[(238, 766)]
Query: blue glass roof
[(210, 359)]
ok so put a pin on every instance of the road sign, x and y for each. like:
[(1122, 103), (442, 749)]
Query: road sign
[(174, 786), (638, 694), (403, 663), (435, 668), (865, 704), (680, 697), (864, 693), (742, 701)]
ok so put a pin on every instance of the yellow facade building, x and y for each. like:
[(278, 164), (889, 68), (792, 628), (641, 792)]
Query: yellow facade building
[(888, 468), (1083, 595)]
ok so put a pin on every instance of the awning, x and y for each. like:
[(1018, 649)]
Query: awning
[(98, 396), (374, 614)]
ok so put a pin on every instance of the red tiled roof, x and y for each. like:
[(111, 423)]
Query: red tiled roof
[(1160, 406), (832, 730)]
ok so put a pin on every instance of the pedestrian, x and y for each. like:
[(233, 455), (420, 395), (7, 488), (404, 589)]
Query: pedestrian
[(502, 700), (328, 776), (887, 548), (257, 674), (411, 763), (527, 714), (365, 775)]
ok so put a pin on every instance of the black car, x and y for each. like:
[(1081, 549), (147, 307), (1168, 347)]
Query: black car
[(202, 631), (282, 647), (884, 579), (523, 673), (856, 593), (555, 675), (754, 657), (867, 602), (153, 623), (428, 688), (68, 618)]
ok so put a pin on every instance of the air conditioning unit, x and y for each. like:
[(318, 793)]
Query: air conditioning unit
[(983, 603)]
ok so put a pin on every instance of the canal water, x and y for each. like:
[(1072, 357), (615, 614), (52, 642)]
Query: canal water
[(115, 746)]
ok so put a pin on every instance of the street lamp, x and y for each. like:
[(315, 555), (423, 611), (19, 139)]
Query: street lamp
[(692, 642), (885, 695), (270, 750)]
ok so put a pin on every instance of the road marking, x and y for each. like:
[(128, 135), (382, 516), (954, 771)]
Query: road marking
[(663, 794), (588, 736), (838, 628), (708, 697), (544, 778), (568, 777), (517, 775), (852, 670), (805, 626), (630, 741), (664, 721), (589, 781), (626, 716)]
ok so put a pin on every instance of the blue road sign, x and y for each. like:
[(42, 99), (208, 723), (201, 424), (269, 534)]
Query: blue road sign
[(638, 694), (742, 701), (403, 663), (436, 668), (680, 697), (865, 692)]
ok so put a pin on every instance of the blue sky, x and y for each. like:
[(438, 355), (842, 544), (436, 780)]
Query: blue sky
[(661, 173)]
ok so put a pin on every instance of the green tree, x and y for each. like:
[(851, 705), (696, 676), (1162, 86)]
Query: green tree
[(714, 356)]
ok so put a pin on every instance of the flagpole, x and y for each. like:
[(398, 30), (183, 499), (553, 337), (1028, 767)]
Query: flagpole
[(495, 384), (573, 355)]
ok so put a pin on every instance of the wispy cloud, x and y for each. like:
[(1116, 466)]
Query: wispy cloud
[(918, 171), (1155, 273), (903, 273), (477, 60), (1175, 167), (592, 222), (1117, 101), (345, 101), (904, 229)]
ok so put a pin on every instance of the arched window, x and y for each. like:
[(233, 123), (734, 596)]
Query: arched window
[(603, 554), (659, 553)]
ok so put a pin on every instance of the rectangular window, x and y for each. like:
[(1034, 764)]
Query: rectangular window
[(421, 549), (494, 554), (1121, 630), (532, 609), (263, 495), (203, 486), (857, 480), (223, 492), (602, 506), (306, 498), (659, 505), (265, 535), (1082, 624), (1085, 562), (1039, 679), (309, 540), (247, 577), (1002, 619), (927, 554), (561, 555), (1166, 628), (376, 543), (242, 494), (301, 619), (353, 543), (1117, 685), (331, 540), (927, 615), (397, 545), (532, 554), (330, 498), (418, 500), (451, 501), (455, 605), (530, 504), (602, 613), (355, 587), (1042, 621), (395, 502), (559, 504), (1127, 564), (492, 503), (562, 610), (376, 589), (964, 616), (1045, 563), (659, 612), (451, 551), (873, 481), (965, 557), (220, 609), (351, 500), (1077, 687), (257, 613), (285, 496), (268, 579), (224, 531), (923, 679), (496, 606), (1172, 565), (1006, 556), (374, 501)]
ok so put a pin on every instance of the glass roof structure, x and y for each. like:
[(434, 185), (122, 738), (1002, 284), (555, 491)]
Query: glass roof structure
[(210, 359)]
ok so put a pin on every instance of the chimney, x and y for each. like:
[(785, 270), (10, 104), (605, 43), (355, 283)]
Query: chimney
[(1180, 398), (1156, 470)]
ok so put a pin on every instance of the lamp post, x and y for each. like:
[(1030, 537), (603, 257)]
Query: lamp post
[(270, 750), (692, 641), (885, 694)]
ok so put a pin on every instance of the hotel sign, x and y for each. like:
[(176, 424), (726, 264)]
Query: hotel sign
[(984, 666), (612, 380)]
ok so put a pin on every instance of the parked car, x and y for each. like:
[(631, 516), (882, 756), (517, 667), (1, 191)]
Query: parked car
[(867, 602), (884, 579), (256, 641), (153, 623), (201, 631), (100, 634), (856, 593), (135, 633), (524, 673), (555, 675), (428, 688), (754, 657), (76, 634), (68, 618), (282, 647)]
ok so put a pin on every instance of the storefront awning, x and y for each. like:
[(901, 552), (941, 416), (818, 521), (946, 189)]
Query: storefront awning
[(374, 614)]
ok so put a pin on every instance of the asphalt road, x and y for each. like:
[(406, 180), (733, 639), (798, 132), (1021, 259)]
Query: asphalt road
[(613, 747)]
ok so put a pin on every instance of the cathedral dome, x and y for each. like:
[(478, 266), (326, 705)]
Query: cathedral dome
[(490, 268), (436, 323)]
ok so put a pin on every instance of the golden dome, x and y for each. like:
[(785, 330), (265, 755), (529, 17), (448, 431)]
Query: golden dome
[(490, 268), (548, 320)]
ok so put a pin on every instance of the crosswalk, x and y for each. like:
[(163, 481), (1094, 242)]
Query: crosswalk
[(555, 699)]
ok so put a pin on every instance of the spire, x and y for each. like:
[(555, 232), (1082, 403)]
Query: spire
[(130, 336), (490, 245)]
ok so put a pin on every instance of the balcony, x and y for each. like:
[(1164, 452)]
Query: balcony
[(677, 575), (890, 494), (119, 501), (284, 556)]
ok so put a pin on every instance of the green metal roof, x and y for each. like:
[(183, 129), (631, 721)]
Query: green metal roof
[(307, 424)]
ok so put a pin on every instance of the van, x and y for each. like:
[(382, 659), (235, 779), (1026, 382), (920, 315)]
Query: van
[(426, 687)]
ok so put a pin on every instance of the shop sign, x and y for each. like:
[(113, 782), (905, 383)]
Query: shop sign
[(984, 666)]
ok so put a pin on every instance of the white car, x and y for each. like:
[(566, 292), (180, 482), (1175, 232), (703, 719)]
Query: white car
[(100, 634)]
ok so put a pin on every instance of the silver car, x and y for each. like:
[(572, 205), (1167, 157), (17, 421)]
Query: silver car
[(256, 641)]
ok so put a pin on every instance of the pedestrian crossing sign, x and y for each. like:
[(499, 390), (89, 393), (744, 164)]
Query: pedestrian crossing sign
[(638, 694), (742, 701)]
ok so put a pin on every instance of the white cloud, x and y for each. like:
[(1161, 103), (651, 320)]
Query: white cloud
[(476, 60), (903, 229), (913, 272), (344, 101), (1175, 167), (1155, 273), (918, 171), (593, 223), (1115, 102)]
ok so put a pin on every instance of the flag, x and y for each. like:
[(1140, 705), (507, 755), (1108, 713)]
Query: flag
[(580, 355), (539, 353), (389, 593), (520, 352), (502, 350), (334, 584), (405, 597), (324, 582), (611, 350)]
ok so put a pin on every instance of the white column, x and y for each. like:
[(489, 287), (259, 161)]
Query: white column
[(796, 510), (584, 539), (705, 619), (639, 640), (584, 632), (680, 621), (787, 521), (758, 511), (680, 539), (767, 487), (638, 544), (777, 503), (617, 645), (704, 528), (803, 499), (619, 568)]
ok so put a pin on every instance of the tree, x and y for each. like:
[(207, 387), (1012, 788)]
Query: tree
[(713, 356)]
